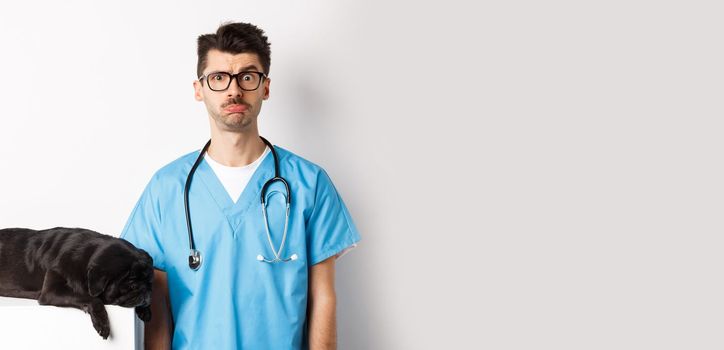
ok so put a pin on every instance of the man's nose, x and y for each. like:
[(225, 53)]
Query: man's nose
[(234, 89)]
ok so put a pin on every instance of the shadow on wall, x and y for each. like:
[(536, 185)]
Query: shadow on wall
[(314, 121)]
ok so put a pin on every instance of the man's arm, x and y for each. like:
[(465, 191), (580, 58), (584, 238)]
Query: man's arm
[(323, 306), (158, 332)]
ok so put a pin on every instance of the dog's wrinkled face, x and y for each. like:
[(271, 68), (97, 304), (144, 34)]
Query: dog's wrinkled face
[(122, 277), (132, 290)]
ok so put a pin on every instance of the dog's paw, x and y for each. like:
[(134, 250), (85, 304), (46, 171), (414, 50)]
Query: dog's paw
[(103, 328), (99, 317), (144, 313)]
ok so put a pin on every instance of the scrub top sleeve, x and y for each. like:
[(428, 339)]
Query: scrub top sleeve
[(330, 229), (142, 228)]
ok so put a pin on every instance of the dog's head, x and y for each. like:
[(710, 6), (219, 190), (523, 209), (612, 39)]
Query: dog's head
[(121, 275)]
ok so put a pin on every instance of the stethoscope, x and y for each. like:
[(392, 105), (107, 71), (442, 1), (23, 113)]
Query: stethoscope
[(195, 255)]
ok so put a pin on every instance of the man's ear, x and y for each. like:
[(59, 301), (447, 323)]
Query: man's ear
[(267, 82), (198, 90), (97, 281)]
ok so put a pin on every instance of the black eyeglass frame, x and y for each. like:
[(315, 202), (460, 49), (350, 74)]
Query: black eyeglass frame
[(262, 76)]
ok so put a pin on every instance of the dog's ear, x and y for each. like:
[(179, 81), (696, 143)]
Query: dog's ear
[(145, 257), (97, 280)]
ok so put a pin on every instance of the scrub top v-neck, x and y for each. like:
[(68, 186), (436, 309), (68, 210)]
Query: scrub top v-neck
[(235, 179)]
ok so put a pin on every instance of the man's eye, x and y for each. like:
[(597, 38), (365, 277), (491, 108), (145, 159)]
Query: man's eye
[(216, 77), (247, 77)]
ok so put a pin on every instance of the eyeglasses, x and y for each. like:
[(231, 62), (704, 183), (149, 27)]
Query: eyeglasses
[(220, 81)]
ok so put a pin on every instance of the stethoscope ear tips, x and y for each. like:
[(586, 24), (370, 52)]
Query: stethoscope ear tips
[(261, 258)]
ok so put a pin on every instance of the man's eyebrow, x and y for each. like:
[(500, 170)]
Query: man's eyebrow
[(243, 69), (248, 67)]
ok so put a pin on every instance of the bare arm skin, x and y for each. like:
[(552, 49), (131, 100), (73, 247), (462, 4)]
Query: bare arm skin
[(159, 331), (323, 306)]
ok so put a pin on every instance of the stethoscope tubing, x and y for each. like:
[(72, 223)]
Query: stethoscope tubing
[(195, 257)]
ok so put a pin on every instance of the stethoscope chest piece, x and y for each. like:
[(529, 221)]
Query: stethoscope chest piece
[(194, 259)]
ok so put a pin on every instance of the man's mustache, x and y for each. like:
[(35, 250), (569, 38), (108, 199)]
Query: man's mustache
[(234, 102)]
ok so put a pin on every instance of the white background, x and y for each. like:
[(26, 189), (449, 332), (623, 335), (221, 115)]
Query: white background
[(524, 174)]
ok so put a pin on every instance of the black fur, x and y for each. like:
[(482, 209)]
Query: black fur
[(75, 267)]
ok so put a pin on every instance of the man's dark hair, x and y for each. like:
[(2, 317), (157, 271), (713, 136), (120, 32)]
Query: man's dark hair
[(235, 38)]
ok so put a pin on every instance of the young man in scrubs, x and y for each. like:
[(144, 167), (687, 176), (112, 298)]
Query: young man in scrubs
[(233, 300)]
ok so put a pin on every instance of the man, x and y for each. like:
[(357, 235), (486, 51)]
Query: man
[(239, 296)]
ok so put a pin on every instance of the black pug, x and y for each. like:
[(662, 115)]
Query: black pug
[(78, 268)]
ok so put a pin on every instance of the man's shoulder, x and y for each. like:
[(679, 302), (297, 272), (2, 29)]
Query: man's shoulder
[(177, 168), (294, 161), (302, 168)]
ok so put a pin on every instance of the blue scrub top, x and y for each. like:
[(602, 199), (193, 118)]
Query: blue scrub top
[(234, 301)]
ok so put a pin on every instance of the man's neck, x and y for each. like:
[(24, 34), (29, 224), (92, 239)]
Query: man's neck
[(235, 149)]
